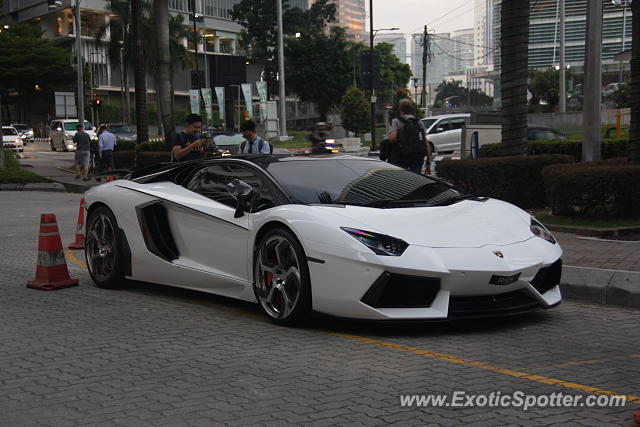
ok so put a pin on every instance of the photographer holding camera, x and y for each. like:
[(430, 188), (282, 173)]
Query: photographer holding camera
[(188, 144)]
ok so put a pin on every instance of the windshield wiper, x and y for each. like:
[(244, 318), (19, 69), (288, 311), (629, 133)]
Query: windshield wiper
[(451, 200)]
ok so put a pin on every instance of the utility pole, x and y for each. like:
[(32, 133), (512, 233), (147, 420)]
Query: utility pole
[(426, 54), (283, 93), (563, 67), (624, 34), (373, 91), (591, 150), (79, 63)]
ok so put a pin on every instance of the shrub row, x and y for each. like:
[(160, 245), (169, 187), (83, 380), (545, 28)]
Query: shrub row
[(515, 179), (602, 189), (125, 159), (611, 148)]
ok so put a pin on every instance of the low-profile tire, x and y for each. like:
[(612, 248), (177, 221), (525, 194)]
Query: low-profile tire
[(53, 147), (102, 249), (281, 281)]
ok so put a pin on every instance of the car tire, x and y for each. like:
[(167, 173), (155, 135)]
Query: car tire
[(103, 250), (282, 285), (53, 147)]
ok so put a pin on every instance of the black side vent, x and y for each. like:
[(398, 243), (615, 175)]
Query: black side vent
[(548, 277), (401, 291), (156, 230)]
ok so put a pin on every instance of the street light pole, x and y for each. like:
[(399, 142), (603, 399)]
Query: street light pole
[(563, 67), (591, 144), (373, 92), (624, 33), (283, 107), (79, 63)]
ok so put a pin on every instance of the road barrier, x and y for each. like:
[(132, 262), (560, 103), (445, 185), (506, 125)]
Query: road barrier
[(51, 271)]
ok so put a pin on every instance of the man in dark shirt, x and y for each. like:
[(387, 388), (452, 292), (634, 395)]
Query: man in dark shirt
[(187, 144), (82, 140)]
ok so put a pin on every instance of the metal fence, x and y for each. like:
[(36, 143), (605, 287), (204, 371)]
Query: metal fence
[(573, 122)]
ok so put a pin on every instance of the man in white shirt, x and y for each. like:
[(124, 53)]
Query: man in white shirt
[(253, 144)]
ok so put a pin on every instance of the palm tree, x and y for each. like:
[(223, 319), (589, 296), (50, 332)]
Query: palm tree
[(164, 90), (634, 129), (140, 72), (514, 43)]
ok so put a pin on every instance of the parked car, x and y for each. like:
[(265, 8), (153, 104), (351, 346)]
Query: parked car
[(543, 133), (122, 131), (62, 132), (610, 89), (11, 139), (445, 131), (26, 132)]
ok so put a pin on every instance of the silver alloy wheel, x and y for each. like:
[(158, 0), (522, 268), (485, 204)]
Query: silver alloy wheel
[(277, 277), (100, 247)]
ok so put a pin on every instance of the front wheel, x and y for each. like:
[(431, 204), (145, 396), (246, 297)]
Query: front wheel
[(102, 250), (281, 280)]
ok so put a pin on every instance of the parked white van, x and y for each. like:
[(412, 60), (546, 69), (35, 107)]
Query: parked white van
[(62, 132), (445, 131)]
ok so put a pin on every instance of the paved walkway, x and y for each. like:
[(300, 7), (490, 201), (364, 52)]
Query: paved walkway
[(599, 253)]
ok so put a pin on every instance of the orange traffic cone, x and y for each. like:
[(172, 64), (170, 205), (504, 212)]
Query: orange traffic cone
[(79, 243), (109, 178), (51, 272)]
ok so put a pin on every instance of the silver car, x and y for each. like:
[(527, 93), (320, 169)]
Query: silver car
[(445, 131)]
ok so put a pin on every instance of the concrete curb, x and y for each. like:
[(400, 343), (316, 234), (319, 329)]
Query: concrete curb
[(615, 287), (54, 186), (603, 233)]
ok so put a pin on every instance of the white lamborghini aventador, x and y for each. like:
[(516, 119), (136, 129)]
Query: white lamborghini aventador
[(345, 236)]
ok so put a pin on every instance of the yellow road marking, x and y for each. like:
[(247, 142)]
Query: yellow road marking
[(441, 356), (481, 365), (72, 258)]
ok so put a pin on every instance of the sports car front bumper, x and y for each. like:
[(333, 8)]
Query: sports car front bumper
[(437, 283)]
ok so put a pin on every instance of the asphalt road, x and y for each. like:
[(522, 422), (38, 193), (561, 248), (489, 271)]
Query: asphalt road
[(151, 355)]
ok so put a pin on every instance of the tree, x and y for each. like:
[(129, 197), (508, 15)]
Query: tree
[(142, 120), (514, 44), (402, 93), (453, 93), (27, 60), (354, 111), (545, 84), (319, 68), (164, 73), (634, 128), (259, 36)]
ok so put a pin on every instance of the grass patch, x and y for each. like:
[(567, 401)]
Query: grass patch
[(12, 174), (581, 222)]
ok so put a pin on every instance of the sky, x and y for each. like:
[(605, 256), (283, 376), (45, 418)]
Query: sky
[(411, 15)]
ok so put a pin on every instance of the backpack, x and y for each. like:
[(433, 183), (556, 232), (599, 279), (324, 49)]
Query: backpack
[(410, 140), (260, 145)]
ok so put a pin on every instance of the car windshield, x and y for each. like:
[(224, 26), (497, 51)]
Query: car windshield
[(428, 123), (74, 126), (9, 131), (359, 182), (119, 128)]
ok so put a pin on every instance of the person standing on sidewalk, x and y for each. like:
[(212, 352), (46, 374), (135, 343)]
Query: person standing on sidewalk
[(253, 143), (106, 144), (82, 140), (408, 137)]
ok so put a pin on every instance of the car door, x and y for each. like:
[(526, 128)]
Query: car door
[(438, 134), (56, 135), (454, 135), (208, 235)]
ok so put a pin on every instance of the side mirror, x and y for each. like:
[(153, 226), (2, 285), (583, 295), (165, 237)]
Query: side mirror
[(439, 130), (243, 193)]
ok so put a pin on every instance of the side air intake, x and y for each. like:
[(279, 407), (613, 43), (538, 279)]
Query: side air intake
[(156, 231)]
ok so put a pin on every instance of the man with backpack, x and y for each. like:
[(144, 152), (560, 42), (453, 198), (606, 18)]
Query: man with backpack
[(253, 143), (408, 138)]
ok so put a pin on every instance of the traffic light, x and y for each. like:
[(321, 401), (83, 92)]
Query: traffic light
[(366, 69), (96, 103)]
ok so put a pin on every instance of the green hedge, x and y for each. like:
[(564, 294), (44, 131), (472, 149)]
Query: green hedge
[(124, 159), (515, 179), (611, 148), (602, 189)]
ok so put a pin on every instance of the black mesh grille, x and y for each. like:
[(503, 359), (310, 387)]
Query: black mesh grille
[(401, 291), (548, 277), (510, 302)]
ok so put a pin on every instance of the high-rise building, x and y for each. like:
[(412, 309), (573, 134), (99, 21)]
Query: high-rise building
[(397, 40), (483, 32), (463, 48), (442, 58), (350, 15)]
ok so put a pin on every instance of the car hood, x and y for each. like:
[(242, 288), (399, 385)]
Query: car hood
[(466, 224)]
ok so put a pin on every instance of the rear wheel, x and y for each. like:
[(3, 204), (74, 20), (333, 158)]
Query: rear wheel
[(281, 278), (102, 250)]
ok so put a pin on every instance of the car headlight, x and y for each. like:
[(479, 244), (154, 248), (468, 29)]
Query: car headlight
[(23, 136), (540, 231), (380, 244)]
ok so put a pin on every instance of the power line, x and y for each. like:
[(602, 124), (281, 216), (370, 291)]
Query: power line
[(465, 59), (442, 16), (458, 41)]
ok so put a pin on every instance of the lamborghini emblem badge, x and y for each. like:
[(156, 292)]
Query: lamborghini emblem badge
[(498, 253)]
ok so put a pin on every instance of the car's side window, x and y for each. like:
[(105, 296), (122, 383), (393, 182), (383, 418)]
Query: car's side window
[(441, 126), (213, 182), (457, 123)]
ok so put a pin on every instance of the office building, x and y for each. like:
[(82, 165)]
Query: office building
[(397, 40)]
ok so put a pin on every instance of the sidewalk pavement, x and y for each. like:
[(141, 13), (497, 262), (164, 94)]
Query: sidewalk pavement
[(606, 271)]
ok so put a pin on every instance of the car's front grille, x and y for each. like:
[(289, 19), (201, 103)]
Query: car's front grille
[(402, 291), (481, 305), (548, 277)]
